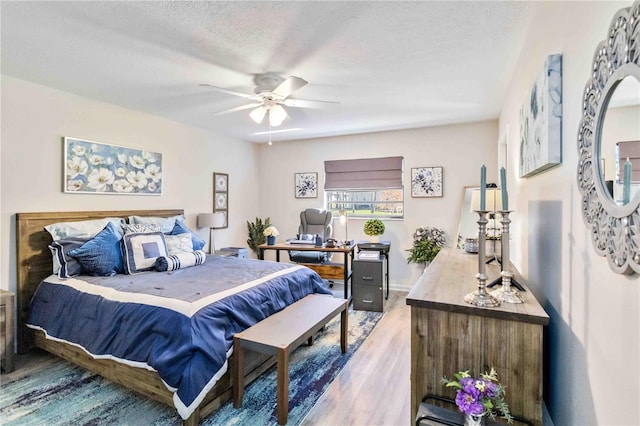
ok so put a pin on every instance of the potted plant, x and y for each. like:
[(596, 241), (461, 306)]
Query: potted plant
[(271, 232), (479, 397), (374, 228), (427, 243), (256, 234)]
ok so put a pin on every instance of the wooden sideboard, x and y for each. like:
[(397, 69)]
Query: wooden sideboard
[(449, 335)]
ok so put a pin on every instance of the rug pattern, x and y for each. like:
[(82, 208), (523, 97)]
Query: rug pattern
[(67, 395)]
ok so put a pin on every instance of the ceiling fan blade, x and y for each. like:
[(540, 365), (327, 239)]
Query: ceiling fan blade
[(304, 103), (240, 108), (227, 91), (289, 86)]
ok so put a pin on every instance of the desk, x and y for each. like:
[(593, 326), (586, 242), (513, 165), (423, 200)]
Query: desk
[(383, 247), (347, 250)]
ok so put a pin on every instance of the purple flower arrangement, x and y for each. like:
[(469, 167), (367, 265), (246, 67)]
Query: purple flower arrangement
[(479, 396)]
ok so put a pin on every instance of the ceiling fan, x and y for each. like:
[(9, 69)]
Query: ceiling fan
[(270, 96)]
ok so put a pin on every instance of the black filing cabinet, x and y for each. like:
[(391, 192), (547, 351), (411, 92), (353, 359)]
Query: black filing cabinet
[(367, 284)]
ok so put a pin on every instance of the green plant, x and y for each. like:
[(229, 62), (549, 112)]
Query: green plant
[(256, 234), (374, 227), (427, 243)]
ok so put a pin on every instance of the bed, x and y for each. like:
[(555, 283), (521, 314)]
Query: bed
[(277, 285)]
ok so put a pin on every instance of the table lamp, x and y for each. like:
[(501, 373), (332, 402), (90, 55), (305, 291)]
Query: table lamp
[(211, 221)]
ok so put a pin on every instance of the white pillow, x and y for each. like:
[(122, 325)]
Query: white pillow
[(166, 223), (180, 243), (140, 251)]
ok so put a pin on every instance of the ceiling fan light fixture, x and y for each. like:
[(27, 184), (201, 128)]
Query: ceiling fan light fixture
[(277, 115), (258, 114)]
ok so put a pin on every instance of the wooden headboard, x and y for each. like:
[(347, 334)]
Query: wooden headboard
[(34, 258)]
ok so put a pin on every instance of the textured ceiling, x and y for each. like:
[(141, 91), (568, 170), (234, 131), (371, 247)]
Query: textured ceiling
[(391, 65)]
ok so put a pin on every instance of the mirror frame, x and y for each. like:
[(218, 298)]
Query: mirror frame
[(615, 230)]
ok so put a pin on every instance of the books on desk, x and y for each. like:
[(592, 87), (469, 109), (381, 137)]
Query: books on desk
[(369, 255)]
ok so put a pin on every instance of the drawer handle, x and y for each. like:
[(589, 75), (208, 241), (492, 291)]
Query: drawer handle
[(367, 301), (367, 278)]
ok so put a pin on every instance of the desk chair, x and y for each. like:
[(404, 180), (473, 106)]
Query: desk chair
[(312, 222)]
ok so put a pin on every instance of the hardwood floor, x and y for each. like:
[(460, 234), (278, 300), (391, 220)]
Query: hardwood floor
[(374, 387)]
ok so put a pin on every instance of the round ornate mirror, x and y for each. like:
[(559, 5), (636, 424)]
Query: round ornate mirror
[(610, 202)]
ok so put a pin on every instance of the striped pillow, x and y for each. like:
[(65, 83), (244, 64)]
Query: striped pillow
[(180, 261)]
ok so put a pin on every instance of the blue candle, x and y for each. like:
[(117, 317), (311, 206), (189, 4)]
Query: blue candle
[(503, 183), (483, 188), (626, 189)]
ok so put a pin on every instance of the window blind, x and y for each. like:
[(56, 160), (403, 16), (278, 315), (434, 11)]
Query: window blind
[(364, 173)]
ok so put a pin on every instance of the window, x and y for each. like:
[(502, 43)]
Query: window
[(370, 187), (375, 203)]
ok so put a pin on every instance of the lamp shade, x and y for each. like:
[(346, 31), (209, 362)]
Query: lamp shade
[(211, 220), (494, 199), (258, 114), (277, 115)]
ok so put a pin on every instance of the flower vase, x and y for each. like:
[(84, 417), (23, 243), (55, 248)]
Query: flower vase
[(271, 240), (473, 420)]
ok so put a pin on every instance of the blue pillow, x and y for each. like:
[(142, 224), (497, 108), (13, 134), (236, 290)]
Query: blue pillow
[(101, 255), (69, 267), (181, 228)]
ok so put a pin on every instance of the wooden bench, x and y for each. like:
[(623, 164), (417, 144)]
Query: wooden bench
[(282, 332)]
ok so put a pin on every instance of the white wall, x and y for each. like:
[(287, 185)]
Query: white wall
[(34, 121), (459, 149), (592, 345)]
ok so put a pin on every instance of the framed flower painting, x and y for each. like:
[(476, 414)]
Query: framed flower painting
[(97, 168), (306, 185), (426, 182)]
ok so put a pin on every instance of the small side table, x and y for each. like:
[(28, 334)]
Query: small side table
[(6, 330), (383, 247)]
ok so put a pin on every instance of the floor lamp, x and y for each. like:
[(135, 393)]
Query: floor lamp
[(344, 220), (211, 221)]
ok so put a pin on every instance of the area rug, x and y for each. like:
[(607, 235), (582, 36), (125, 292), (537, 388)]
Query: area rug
[(67, 395)]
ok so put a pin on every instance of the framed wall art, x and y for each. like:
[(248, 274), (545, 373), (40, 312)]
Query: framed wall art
[(541, 121), (97, 168), (221, 195), (306, 185), (426, 182)]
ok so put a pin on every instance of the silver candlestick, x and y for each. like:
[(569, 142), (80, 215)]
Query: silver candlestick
[(506, 293), (480, 297)]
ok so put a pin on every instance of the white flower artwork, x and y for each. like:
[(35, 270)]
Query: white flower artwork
[(97, 168)]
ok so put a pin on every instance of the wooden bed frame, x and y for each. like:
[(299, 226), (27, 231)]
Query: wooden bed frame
[(34, 264)]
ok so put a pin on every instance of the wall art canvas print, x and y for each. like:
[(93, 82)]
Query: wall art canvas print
[(306, 185), (541, 121), (426, 182), (221, 195), (97, 168)]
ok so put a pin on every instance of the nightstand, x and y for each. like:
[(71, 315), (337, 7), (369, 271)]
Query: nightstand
[(233, 252), (6, 330)]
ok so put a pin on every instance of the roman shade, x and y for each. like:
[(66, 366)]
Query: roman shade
[(364, 173)]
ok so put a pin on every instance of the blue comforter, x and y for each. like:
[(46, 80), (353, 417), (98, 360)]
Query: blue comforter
[(180, 324)]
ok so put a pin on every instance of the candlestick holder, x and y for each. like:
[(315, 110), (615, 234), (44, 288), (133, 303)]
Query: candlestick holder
[(506, 293), (480, 297)]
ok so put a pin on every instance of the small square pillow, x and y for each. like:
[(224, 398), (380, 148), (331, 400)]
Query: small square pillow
[(141, 228), (181, 228), (69, 267), (140, 251), (180, 243), (101, 255)]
